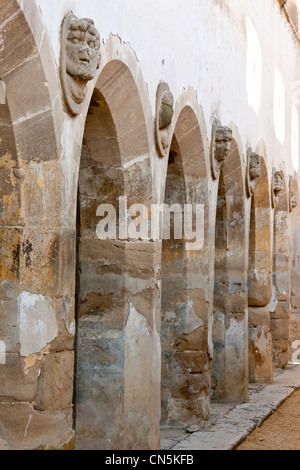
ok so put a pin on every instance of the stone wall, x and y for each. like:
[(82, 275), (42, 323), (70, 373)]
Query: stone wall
[(102, 341)]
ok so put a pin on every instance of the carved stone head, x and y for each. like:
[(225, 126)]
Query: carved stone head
[(79, 59), (163, 120), (82, 49), (223, 138), (277, 182), (253, 171), (277, 187), (293, 201), (254, 166), (220, 145), (166, 110)]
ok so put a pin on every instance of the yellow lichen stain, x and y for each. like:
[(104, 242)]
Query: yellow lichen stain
[(40, 182), (69, 444), (9, 199), (7, 161), (31, 360), (11, 211), (43, 258), (9, 259)]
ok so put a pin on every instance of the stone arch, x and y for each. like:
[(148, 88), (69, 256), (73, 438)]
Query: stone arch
[(230, 322), (32, 239), (260, 278), (117, 288), (281, 307), (185, 275)]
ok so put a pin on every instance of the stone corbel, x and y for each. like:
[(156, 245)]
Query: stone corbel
[(253, 171), (220, 145), (276, 187), (79, 59), (164, 116)]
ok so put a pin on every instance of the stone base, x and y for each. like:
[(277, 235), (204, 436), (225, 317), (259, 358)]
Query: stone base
[(295, 337), (260, 346)]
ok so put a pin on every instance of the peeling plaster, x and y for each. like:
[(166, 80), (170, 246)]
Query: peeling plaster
[(2, 353), (136, 326), (273, 303), (235, 285), (38, 324), (192, 321)]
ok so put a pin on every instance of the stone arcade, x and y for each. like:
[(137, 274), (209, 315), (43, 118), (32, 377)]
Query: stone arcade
[(105, 341)]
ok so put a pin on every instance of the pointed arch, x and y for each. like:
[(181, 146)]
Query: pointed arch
[(185, 275), (230, 362), (117, 288)]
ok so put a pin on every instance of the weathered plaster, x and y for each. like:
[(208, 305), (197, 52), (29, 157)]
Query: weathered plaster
[(38, 324)]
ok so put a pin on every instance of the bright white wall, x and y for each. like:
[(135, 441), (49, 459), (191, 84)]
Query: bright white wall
[(240, 56)]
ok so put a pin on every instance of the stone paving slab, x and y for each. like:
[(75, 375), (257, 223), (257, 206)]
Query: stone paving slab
[(230, 425)]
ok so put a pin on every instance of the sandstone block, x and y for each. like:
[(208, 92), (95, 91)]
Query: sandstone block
[(22, 427), (258, 316), (36, 146), (280, 329), (22, 102), (187, 386), (191, 362), (18, 382), (17, 41), (55, 385)]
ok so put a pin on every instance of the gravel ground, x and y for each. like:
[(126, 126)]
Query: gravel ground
[(281, 431)]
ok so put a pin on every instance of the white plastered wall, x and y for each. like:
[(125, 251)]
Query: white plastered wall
[(240, 57)]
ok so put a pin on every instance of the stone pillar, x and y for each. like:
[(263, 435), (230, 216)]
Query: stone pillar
[(259, 275), (280, 316), (37, 323), (118, 346), (260, 346), (230, 326)]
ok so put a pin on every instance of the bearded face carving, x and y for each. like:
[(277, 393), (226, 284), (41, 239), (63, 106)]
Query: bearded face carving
[(253, 171), (220, 146), (254, 166), (277, 182), (80, 59), (277, 187), (82, 49), (222, 143)]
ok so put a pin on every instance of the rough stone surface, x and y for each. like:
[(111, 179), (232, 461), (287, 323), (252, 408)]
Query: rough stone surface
[(231, 424), (26, 428)]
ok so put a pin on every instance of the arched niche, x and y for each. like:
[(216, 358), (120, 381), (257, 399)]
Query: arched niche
[(260, 279), (185, 279), (117, 384), (281, 306), (230, 368)]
